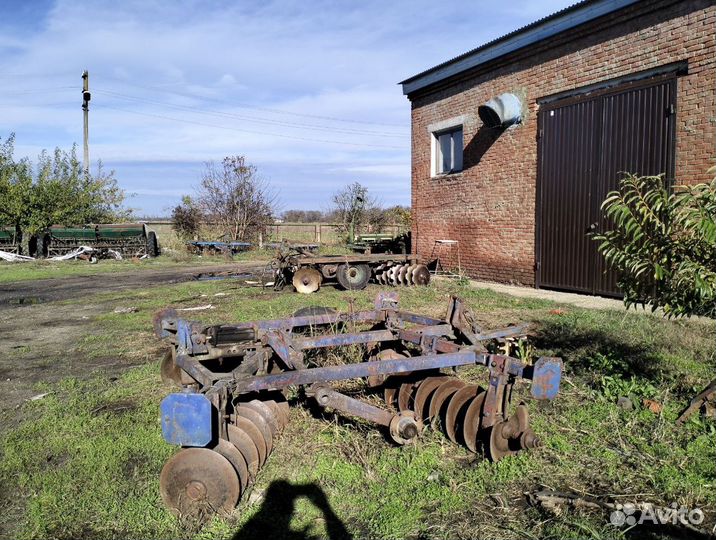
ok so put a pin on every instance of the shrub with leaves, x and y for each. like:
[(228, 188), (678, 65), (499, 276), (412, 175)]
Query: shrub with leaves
[(663, 244)]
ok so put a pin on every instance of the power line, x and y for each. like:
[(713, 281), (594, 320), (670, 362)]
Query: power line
[(254, 119), (265, 109), (240, 130)]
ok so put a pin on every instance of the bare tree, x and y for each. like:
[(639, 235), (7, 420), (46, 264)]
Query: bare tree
[(353, 204), (234, 197)]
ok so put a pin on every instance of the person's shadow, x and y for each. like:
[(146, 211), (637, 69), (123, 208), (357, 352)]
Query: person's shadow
[(273, 519)]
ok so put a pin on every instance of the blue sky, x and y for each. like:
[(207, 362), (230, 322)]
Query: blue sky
[(307, 91)]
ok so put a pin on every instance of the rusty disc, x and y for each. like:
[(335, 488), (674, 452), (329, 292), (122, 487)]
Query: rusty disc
[(237, 460), (170, 372), (421, 275), (402, 273), (241, 440), (378, 273), (409, 274), (404, 394), (473, 418), (425, 391), (254, 433), (259, 421), (307, 280), (500, 446), (277, 412), (453, 419), (199, 482), (265, 411), (444, 391)]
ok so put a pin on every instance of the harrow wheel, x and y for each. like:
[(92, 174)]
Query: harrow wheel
[(353, 277), (198, 481)]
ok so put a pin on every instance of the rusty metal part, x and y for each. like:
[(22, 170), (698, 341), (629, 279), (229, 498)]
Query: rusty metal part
[(326, 397), (704, 399), (259, 421), (454, 414), (425, 393), (404, 428), (405, 394), (329, 270), (472, 421), (511, 435), (402, 273), (265, 411), (421, 275), (254, 433), (237, 460), (243, 443), (238, 374), (197, 482), (441, 395), (353, 277), (307, 280), (171, 373)]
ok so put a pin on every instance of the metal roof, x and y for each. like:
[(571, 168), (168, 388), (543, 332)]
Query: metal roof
[(539, 30)]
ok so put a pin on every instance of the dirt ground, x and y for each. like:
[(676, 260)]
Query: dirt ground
[(41, 331)]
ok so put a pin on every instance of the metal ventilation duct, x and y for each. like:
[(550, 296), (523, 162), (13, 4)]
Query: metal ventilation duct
[(501, 111)]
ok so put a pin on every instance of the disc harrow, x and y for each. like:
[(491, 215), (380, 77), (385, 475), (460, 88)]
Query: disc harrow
[(307, 271), (232, 408)]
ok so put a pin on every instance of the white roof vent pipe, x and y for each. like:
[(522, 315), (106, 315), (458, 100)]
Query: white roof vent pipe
[(501, 111)]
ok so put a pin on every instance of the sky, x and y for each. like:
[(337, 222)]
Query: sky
[(306, 91)]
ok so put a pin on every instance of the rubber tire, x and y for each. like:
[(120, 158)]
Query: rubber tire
[(152, 244), (344, 280)]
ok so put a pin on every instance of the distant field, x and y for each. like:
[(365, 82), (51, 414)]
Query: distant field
[(84, 461)]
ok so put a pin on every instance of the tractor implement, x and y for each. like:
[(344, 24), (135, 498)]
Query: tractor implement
[(232, 407), (307, 271)]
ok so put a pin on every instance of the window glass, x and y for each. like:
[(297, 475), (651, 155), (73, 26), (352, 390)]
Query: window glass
[(448, 151)]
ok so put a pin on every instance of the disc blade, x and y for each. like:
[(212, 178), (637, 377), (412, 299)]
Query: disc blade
[(306, 280), (453, 417), (254, 433), (473, 418), (444, 391), (199, 482), (424, 393), (421, 275), (402, 273), (237, 460), (404, 395), (259, 422), (264, 410), (241, 440)]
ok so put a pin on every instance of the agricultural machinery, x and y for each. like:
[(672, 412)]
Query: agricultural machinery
[(235, 380), (131, 239), (306, 271)]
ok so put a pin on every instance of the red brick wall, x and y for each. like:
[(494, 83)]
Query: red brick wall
[(490, 206)]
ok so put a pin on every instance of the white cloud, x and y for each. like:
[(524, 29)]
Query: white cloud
[(155, 65)]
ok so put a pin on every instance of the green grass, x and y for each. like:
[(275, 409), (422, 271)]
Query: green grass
[(83, 465), (44, 269)]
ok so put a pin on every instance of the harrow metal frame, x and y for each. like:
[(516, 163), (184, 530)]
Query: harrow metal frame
[(269, 356)]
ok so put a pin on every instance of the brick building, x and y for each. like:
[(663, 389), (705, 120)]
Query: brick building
[(601, 87)]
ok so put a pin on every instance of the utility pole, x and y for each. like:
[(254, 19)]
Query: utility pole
[(85, 112)]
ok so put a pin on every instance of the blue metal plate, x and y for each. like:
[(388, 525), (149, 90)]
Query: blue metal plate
[(187, 419), (546, 377)]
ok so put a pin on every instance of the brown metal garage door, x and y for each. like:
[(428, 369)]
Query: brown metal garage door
[(585, 143)]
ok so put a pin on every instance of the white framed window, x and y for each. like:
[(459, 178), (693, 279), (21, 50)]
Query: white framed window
[(447, 151)]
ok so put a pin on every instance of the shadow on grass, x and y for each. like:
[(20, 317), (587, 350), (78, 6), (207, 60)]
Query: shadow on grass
[(273, 519), (594, 350)]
